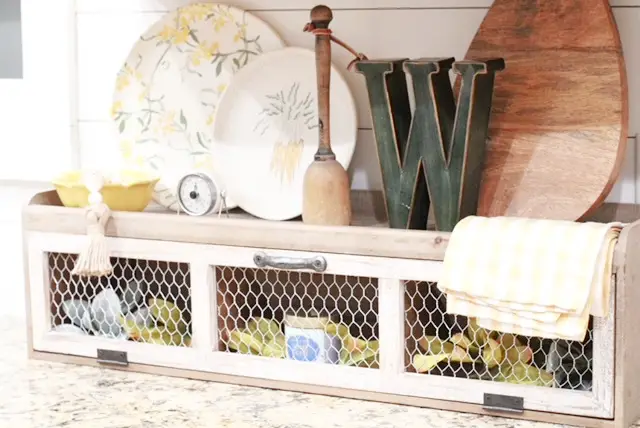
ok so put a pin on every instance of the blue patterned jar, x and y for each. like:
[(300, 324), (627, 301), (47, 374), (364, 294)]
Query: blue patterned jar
[(307, 340)]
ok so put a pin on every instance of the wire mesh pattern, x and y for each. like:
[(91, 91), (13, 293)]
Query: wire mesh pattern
[(442, 344), (142, 300), (301, 316)]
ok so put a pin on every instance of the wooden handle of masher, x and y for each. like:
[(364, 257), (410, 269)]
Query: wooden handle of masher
[(321, 17), (326, 196)]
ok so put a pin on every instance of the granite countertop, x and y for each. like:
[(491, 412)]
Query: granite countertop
[(37, 394)]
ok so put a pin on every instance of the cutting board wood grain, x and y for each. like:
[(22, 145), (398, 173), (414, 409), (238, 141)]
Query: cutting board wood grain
[(560, 113)]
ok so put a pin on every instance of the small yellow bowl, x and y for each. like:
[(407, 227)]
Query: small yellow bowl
[(132, 192)]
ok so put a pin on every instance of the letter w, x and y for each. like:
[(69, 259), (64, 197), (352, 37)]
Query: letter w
[(437, 156)]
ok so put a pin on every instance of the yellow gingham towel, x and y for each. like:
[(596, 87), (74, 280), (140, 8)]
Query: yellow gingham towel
[(528, 276)]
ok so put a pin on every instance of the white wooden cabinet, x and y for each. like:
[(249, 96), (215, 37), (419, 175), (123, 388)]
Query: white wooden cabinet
[(220, 275), (386, 275)]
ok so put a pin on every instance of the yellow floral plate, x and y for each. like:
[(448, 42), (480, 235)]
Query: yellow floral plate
[(168, 89)]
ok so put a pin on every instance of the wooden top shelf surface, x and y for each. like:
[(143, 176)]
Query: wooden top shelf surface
[(368, 236)]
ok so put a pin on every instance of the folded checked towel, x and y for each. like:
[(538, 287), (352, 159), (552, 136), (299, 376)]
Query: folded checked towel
[(528, 276)]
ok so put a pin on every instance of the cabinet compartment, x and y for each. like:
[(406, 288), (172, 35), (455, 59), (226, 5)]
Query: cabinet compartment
[(144, 312), (444, 349), (455, 346), (146, 301), (253, 304)]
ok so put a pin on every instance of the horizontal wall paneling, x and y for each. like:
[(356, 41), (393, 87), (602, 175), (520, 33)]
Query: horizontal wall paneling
[(412, 28), (36, 111), (99, 146), (164, 5)]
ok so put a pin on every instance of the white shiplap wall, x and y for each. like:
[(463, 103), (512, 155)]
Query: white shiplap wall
[(36, 116), (10, 34), (379, 28), (100, 33)]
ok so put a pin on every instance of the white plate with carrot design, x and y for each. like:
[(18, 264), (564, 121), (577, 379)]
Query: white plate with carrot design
[(266, 132), (168, 90)]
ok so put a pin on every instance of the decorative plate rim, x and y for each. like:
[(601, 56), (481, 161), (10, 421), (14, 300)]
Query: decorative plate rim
[(139, 45)]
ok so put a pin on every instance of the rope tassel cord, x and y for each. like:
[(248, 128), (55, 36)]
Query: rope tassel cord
[(95, 260)]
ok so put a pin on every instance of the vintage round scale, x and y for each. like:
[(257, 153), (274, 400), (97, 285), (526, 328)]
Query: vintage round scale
[(199, 194)]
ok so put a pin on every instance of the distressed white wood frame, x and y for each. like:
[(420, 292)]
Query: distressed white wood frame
[(390, 378)]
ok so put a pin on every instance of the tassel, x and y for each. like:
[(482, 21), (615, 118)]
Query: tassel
[(95, 260)]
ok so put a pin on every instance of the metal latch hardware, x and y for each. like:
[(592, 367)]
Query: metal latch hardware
[(113, 358), (503, 403)]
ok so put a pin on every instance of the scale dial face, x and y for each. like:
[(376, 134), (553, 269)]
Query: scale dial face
[(198, 194)]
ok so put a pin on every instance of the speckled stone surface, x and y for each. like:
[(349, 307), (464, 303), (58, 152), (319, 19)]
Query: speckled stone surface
[(36, 394)]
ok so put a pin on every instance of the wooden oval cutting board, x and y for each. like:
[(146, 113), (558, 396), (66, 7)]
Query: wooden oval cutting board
[(559, 122)]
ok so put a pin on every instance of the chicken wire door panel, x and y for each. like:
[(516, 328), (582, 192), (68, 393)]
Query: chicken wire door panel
[(447, 351), (143, 310), (304, 317), (147, 301), (300, 316)]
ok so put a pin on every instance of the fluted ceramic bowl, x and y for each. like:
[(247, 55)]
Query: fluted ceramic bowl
[(127, 190)]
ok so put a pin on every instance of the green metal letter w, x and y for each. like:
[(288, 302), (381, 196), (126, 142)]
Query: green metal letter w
[(438, 154)]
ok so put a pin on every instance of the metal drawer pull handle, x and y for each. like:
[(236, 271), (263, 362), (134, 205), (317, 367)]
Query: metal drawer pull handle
[(318, 263)]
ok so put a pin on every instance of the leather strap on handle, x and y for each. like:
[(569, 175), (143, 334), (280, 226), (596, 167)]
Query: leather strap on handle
[(321, 17), (359, 56)]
